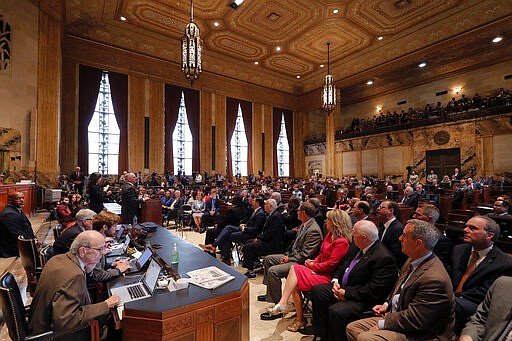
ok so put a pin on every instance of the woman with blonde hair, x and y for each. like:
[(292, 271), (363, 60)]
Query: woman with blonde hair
[(316, 271)]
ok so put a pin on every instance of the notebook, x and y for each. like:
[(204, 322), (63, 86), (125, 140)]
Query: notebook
[(119, 249), (138, 263), (139, 290)]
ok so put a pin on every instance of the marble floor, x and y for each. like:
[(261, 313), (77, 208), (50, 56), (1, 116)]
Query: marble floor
[(259, 330)]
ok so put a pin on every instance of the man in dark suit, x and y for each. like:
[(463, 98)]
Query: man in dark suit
[(83, 223), (493, 315), (444, 246), (501, 216), (277, 266), (410, 198), (211, 211), (13, 223), (269, 241), (475, 266), (130, 202), (363, 279), (77, 179), (391, 230), (240, 233), (233, 217), (421, 305)]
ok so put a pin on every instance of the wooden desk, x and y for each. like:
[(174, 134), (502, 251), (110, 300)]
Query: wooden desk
[(194, 313)]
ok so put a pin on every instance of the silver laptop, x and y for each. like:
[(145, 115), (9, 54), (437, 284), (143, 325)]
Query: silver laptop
[(139, 290), (119, 234), (119, 249)]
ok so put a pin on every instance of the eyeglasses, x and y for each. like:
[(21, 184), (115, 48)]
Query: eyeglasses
[(418, 214), (99, 249)]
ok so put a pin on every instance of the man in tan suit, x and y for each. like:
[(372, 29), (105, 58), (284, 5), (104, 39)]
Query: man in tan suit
[(61, 301), (421, 306)]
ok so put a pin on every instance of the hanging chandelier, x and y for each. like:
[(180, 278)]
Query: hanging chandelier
[(329, 89), (191, 48)]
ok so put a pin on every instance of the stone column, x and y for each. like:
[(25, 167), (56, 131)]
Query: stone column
[(49, 71)]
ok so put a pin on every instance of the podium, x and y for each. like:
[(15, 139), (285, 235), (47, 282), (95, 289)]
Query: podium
[(151, 210)]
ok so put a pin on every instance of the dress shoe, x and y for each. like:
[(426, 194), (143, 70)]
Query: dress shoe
[(269, 317), (208, 247), (262, 298), (250, 274)]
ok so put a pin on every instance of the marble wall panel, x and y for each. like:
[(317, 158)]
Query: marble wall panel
[(349, 163), (501, 153), (370, 162), (392, 159), (315, 164)]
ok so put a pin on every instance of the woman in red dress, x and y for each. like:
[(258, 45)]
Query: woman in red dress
[(317, 271)]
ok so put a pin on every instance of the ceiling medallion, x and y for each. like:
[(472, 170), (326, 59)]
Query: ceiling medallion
[(329, 89), (191, 48)]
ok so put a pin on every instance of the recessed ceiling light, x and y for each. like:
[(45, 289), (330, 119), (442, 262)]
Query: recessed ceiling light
[(298, 77), (123, 18), (256, 63), (370, 82), (321, 65), (380, 38), (216, 24), (278, 48), (335, 11), (497, 39), (422, 64)]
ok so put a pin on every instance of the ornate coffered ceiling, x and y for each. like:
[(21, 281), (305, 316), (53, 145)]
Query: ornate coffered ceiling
[(450, 35)]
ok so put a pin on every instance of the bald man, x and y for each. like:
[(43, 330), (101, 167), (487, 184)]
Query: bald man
[(13, 223)]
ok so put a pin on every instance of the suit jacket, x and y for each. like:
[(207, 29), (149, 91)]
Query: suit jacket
[(61, 301), (426, 307), (130, 203), (307, 243), (392, 242), (255, 222), (64, 241), (233, 216), (372, 278), (96, 198), (493, 314), (443, 250), (494, 265), (411, 201), (215, 207), (13, 223), (272, 232)]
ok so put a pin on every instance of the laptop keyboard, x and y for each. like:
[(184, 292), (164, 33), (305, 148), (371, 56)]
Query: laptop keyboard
[(136, 291)]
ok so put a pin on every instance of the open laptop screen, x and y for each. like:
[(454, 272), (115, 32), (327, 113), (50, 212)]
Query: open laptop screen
[(152, 274)]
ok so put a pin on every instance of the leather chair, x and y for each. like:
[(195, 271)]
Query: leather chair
[(15, 315), (45, 254), (29, 256)]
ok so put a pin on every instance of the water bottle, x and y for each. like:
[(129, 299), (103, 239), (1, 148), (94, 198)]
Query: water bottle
[(175, 255), (135, 221)]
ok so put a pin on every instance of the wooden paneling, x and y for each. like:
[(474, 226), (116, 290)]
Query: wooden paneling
[(68, 147), (205, 130), (220, 134), (29, 192), (269, 144)]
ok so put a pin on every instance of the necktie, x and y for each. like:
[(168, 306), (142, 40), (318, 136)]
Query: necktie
[(401, 280), (354, 262), (471, 266), (506, 335)]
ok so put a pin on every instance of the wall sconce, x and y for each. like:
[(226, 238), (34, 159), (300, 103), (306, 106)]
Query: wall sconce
[(457, 89)]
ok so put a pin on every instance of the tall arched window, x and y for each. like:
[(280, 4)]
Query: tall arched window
[(239, 146), (103, 133), (283, 151), (182, 142)]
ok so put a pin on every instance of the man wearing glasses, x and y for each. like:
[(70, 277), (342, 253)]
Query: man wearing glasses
[(61, 301), (83, 223)]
